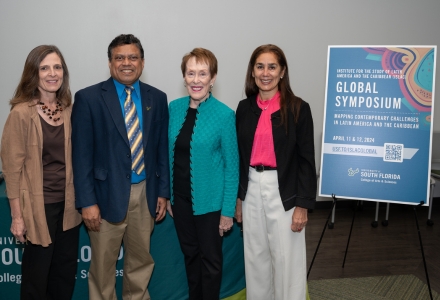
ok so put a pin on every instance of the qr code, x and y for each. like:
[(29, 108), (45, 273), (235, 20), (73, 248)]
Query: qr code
[(393, 152)]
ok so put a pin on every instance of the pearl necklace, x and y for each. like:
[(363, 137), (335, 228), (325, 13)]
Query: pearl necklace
[(51, 113)]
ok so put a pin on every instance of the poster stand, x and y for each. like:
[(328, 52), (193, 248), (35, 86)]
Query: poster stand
[(421, 248), (374, 223), (322, 234), (349, 237)]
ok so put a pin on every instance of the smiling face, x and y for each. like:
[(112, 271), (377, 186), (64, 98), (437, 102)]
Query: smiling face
[(267, 73), (126, 64), (50, 74), (198, 81)]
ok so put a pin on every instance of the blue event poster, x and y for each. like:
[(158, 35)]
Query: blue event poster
[(378, 123)]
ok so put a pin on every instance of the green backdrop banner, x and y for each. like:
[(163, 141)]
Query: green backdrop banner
[(168, 281)]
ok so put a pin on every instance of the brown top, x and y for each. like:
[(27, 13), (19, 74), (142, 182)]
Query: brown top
[(21, 154), (54, 167)]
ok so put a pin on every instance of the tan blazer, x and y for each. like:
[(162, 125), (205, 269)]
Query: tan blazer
[(21, 155)]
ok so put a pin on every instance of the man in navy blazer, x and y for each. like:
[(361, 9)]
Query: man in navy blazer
[(118, 200)]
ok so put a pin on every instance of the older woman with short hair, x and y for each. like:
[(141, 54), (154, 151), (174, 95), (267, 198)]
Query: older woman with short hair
[(36, 157), (204, 173)]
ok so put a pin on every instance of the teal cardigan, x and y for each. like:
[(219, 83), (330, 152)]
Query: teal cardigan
[(214, 155)]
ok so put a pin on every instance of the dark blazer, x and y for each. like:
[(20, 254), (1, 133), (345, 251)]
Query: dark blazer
[(294, 152), (101, 152)]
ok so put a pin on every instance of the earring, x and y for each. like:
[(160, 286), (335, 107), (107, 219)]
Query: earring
[(281, 77), (184, 83), (211, 86)]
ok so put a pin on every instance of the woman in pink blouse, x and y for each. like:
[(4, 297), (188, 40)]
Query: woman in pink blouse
[(277, 178)]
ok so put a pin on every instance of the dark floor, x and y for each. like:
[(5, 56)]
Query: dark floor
[(390, 250)]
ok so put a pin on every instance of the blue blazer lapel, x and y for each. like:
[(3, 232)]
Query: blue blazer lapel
[(147, 111), (111, 99)]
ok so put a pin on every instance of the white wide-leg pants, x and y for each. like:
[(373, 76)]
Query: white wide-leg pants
[(275, 257)]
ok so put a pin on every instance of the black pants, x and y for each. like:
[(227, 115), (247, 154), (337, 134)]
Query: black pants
[(201, 245), (49, 272)]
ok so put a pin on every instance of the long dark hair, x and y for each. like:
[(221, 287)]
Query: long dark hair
[(27, 90), (288, 100)]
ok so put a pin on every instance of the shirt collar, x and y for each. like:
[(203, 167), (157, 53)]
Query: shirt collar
[(203, 102), (120, 88)]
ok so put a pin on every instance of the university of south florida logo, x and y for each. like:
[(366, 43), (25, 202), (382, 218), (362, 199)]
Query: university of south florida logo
[(352, 172)]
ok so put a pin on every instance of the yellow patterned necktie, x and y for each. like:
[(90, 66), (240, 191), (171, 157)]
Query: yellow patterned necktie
[(134, 133)]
